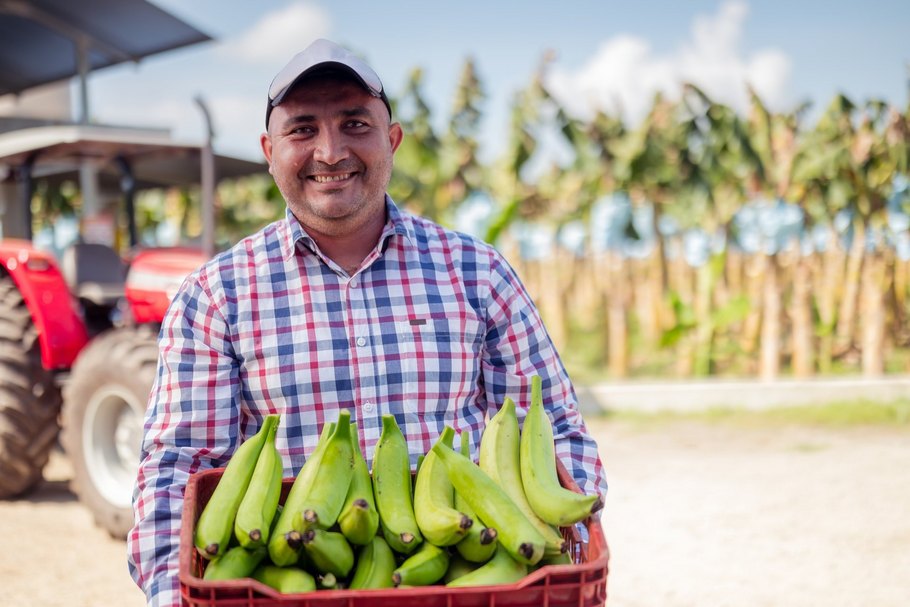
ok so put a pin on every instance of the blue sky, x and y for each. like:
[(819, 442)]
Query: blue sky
[(608, 53)]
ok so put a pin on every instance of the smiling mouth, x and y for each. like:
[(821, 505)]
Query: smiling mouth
[(331, 178)]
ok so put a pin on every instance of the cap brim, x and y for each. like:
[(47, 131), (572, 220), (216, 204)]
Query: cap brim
[(323, 55), (327, 66)]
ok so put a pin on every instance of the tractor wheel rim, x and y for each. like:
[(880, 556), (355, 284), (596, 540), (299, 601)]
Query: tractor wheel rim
[(111, 435)]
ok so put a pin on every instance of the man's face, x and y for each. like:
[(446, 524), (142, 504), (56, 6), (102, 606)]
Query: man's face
[(329, 146)]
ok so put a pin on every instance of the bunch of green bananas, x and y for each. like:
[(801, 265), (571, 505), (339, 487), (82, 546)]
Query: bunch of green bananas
[(452, 522)]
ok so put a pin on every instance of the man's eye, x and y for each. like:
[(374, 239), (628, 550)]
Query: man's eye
[(356, 124)]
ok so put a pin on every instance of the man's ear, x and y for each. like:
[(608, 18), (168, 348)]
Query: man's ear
[(395, 135), (266, 143)]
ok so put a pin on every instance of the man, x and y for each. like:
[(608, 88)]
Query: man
[(346, 303)]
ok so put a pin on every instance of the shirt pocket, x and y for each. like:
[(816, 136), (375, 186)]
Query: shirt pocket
[(439, 361)]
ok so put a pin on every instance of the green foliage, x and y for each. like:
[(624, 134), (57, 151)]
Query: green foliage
[(435, 173), (684, 314), (692, 159)]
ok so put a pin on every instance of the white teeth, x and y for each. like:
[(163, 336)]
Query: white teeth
[(330, 178)]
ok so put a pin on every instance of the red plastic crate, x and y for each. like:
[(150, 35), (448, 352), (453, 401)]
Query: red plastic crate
[(582, 584)]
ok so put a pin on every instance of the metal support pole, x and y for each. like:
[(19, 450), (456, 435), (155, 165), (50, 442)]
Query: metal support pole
[(128, 187), (27, 188), (88, 172), (82, 64), (207, 184)]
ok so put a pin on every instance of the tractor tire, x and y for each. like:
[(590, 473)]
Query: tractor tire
[(29, 398), (104, 403)]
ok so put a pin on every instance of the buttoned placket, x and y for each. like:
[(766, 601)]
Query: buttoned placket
[(359, 314)]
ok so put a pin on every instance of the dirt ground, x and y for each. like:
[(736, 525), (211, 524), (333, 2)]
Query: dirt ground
[(697, 514)]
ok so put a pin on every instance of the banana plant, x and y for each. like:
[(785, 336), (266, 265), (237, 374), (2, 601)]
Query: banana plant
[(462, 173), (849, 161), (435, 173), (716, 145), (773, 137), (416, 177), (508, 189)]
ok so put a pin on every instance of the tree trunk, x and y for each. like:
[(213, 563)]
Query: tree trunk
[(755, 269), (873, 315), (832, 272), (585, 297), (552, 290), (685, 348), (704, 328), (617, 327), (846, 317), (801, 315), (769, 361), (896, 314), (649, 300)]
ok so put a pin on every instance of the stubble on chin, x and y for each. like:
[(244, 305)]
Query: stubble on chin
[(328, 219)]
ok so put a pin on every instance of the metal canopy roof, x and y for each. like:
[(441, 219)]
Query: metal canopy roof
[(56, 152), (42, 41)]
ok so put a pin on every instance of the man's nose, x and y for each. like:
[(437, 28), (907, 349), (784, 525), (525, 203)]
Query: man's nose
[(330, 147)]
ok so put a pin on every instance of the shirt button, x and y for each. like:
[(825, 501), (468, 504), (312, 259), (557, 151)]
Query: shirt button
[(368, 407), (361, 341), (353, 282)]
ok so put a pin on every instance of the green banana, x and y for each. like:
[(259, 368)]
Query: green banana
[(561, 559), (359, 519), (499, 458), (285, 541), (501, 569), (286, 580), (434, 500), (550, 501), (329, 551), (392, 488), (458, 566), (426, 566), (303, 559), (236, 563), (375, 565), (328, 581), (479, 543), (420, 458), (331, 480), (493, 505), (215, 526), (260, 502)]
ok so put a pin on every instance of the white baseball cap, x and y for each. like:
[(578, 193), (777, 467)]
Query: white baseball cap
[(323, 54)]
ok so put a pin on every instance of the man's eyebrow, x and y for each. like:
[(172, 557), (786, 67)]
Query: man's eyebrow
[(356, 111), (298, 119)]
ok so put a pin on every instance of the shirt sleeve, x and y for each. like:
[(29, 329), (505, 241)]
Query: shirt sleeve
[(519, 347), (192, 423)]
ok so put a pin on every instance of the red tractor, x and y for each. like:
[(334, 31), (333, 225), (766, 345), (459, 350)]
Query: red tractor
[(78, 333)]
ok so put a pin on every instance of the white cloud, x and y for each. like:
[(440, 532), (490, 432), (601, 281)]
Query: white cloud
[(625, 73), (166, 112), (238, 122), (279, 34)]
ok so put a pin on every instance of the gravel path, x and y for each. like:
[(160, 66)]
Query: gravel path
[(697, 514), (729, 516)]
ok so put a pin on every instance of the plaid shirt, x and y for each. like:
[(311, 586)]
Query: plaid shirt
[(434, 328)]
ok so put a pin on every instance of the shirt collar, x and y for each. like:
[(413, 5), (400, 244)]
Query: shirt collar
[(397, 223)]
